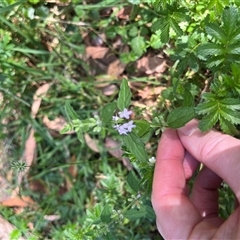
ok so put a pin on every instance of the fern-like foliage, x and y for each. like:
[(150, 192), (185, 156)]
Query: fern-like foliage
[(225, 45)]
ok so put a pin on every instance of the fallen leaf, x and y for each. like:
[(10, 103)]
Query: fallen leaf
[(109, 90), (96, 52), (51, 218), (149, 92), (23, 201), (114, 148), (37, 98), (124, 13), (116, 68), (56, 125), (91, 143), (150, 65)]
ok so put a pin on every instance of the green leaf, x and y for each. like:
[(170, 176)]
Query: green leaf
[(180, 116), (133, 181), (124, 97), (188, 100), (138, 45), (214, 30), (106, 214), (107, 112), (176, 27), (210, 49), (165, 31), (230, 20), (208, 122), (12, 6), (136, 146), (205, 108), (134, 214), (142, 127), (228, 127), (71, 114)]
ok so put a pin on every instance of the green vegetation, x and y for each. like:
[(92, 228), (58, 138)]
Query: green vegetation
[(58, 61)]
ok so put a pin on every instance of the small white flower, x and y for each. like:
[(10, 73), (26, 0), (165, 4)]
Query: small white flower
[(115, 118), (152, 160), (122, 130), (125, 113)]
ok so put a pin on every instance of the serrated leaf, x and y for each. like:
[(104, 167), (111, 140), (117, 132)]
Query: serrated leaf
[(208, 122), (136, 146), (214, 30), (227, 127), (176, 27), (210, 49), (205, 108), (71, 114), (165, 32), (138, 45), (230, 19), (180, 116), (107, 112), (230, 115), (232, 103), (133, 181), (124, 96)]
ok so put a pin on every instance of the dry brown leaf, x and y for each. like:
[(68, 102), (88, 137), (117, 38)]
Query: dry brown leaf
[(51, 218), (116, 68), (57, 124), (114, 148), (96, 52), (24, 201), (124, 13), (92, 144), (150, 65), (109, 90), (149, 92), (37, 98)]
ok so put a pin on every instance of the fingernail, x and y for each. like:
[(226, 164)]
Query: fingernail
[(189, 128)]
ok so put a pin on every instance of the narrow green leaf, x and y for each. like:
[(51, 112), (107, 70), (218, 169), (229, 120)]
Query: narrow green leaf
[(210, 49), (176, 27), (107, 112), (206, 107), (136, 146), (165, 31), (31, 51), (124, 97), (180, 116), (142, 127), (230, 115), (227, 126), (232, 103), (11, 7), (133, 181), (71, 114)]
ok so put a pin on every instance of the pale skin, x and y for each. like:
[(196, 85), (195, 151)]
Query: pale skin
[(180, 216)]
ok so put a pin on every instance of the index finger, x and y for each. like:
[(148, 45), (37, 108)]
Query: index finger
[(176, 215), (219, 152)]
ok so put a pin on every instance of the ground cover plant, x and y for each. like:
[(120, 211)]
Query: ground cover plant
[(86, 89)]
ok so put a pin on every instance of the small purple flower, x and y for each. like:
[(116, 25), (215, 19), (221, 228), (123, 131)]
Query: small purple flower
[(125, 128), (125, 113)]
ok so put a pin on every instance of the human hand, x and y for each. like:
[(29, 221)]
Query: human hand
[(179, 154)]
